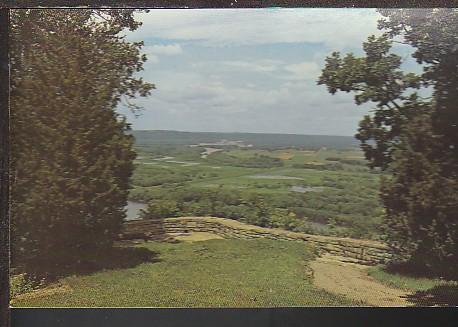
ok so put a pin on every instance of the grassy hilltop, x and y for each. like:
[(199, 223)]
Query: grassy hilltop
[(221, 273)]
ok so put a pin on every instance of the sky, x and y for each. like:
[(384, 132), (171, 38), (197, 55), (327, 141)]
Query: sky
[(248, 70)]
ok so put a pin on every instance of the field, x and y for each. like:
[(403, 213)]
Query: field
[(221, 273), (326, 190)]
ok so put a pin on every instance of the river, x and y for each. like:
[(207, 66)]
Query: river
[(133, 209)]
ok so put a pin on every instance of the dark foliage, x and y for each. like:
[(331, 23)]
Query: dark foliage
[(441, 295), (414, 138), (71, 156)]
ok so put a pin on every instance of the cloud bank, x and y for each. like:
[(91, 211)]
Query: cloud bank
[(248, 70)]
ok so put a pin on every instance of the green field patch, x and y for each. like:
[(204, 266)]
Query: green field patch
[(279, 177), (406, 282), (304, 189)]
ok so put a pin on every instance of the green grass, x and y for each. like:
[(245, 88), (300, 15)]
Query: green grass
[(408, 283), (213, 273), (422, 291)]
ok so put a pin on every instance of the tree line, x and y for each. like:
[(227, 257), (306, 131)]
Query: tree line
[(411, 136), (329, 212)]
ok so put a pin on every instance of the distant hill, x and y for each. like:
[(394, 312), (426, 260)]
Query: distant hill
[(258, 140)]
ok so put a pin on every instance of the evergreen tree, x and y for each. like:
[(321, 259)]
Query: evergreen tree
[(71, 155), (413, 138)]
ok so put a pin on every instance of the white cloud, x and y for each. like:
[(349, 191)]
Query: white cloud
[(303, 70), (244, 89), (160, 49), (153, 52), (294, 71), (333, 27), (152, 59), (256, 66), (194, 94), (192, 101)]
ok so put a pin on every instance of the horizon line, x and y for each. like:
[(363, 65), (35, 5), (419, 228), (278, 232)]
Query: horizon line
[(215, 132)]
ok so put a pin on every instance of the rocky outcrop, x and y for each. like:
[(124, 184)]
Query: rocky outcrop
[(365, 252)]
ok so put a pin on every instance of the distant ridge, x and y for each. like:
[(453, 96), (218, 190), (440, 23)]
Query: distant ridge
[(258, 140), (213, 132)]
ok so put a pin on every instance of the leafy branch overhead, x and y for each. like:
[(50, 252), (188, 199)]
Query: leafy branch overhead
[(377, 77)]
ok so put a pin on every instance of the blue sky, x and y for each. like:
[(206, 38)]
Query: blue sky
[(248, 70)]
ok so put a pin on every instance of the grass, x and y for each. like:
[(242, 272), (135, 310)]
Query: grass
[(424, 291), (408, 283), (212, 273)]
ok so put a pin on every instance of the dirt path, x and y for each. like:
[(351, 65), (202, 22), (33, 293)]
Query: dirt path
[(352, 280)]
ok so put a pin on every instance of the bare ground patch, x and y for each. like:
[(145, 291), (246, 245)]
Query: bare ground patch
[(352, 281), (196, 236)]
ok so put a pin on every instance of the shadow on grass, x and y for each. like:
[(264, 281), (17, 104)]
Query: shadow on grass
[(441, 295), (117, 257), (410, 270), (444, 294)]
